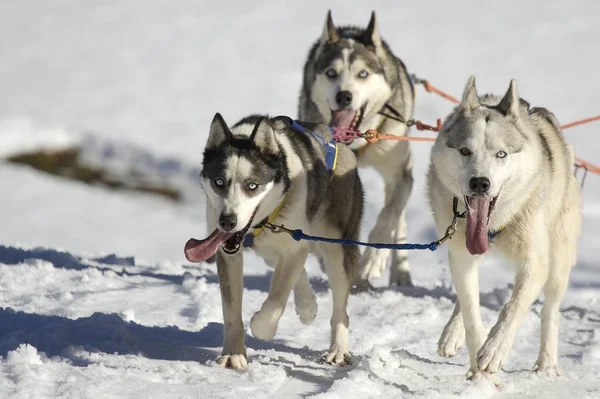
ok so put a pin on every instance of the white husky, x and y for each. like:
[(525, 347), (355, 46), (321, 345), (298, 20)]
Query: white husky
[(512, 171)]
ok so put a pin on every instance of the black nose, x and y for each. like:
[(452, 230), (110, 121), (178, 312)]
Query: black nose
[(227, 222), (343, 98), (479, 185)]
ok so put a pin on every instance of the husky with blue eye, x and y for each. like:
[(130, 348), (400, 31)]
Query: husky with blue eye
[(353, 80), (510, 170), (275, 170)]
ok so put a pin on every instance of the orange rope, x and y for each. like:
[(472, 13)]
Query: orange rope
[(581, 122), (431, 89)]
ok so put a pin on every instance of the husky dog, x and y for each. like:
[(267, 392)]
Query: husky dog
[(512, 171), (352, 80), (278, 170)]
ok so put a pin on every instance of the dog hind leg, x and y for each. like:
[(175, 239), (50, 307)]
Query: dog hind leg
[(305, 299), (453, 336)]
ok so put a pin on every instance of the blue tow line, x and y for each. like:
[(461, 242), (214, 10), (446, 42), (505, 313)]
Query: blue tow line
[(299, 235)]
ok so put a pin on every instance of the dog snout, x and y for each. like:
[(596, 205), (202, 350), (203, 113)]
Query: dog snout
[(343, 98), (227, 222), (479, 185)]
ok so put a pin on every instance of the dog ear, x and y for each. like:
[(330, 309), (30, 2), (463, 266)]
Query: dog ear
[(470, 98), (509, 105), (371, 35), (330, 33), (219, 132), (263, 136)]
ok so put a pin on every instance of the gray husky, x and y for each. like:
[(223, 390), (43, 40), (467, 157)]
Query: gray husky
[(352, 80), (511, 172), (279, 171)]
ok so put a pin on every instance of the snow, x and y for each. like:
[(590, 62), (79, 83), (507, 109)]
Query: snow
[(96, 298)]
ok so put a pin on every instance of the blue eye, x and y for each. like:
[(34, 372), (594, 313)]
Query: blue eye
[(219, 182), (331, 73), (501, 154), (252, 186), (363, 74)]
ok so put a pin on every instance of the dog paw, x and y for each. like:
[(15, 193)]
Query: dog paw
[(307, 309), (337, 356), (493, 353), (451, 340), (547, 366), (373, 263), (400, 278), (264, 324), (400, 272), (236, 362)]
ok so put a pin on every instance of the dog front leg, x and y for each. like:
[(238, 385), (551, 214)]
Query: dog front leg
[(230, 270), (529, 281), (390, 228), (463, 267), (289, 267)]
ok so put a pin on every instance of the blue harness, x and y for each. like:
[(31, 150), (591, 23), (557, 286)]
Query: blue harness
[(330, 147)]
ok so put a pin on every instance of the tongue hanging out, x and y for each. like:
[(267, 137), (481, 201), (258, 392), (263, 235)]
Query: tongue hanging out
[(343, 118), (478, 212), (201, 250)]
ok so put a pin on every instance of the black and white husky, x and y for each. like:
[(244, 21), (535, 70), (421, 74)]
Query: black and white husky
[(284, 172), (353, 80)]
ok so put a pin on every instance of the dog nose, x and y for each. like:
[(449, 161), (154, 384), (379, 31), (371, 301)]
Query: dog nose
[(343, 98), (479, 185), (227, 222)]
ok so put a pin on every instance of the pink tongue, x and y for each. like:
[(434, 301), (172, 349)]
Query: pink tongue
[(342, 118), (201, 250), (477, 225)]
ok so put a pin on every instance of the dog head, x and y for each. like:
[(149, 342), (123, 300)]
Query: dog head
[(483, 153), (349, 84), (243, 171)]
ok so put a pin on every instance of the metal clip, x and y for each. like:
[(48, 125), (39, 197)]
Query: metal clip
[(449, 231), (276, 228)]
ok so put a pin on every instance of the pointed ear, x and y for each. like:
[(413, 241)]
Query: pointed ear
[(509, 105), (219, 132), (330, 32), (263, 136), (470, 98), (371, 35)]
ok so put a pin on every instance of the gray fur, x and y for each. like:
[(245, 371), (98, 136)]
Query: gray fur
[(290, 167), (387, 85)]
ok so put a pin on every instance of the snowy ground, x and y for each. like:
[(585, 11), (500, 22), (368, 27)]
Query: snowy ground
[(96, 299)]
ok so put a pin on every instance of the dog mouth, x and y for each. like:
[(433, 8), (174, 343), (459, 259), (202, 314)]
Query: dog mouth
[(347, 118), (200, 250), (234, 243), (479, 211)]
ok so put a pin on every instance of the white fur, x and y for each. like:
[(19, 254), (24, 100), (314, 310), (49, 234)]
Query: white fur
[(285, 255), (392, 159), (538, 208)]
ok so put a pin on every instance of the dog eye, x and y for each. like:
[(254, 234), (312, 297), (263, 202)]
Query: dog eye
[(331, 73), (252, 186), (363, 74), (501, 154), (219, 182), (465, 151)]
